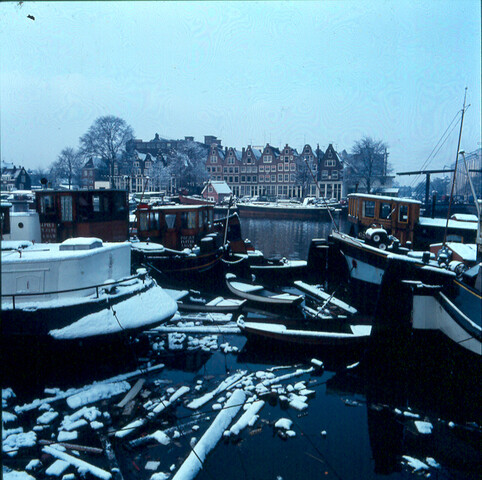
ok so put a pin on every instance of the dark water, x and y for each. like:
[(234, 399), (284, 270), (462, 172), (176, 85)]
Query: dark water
[(367, 411), (285, 238)]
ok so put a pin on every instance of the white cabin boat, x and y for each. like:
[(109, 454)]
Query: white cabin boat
[(79, 288)]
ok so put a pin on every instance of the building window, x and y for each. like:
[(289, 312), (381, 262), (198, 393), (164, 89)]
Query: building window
[(273, 178), (280, 167), (236, 179), (214, 159), (243, 169), (243, 178), (273, 168), (292, 167), (236, 169), (287, 167), (292, 177), (287, 177), (324, 174), (267, 158), (330, 163), (261, 168), (280, 177), (334, 174)]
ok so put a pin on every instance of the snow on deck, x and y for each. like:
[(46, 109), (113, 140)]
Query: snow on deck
[(157, 306)]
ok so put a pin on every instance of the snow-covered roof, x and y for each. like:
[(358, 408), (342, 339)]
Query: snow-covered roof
[(221, 187), (468, 251), (382, 197), (464, 217), (441, 222)]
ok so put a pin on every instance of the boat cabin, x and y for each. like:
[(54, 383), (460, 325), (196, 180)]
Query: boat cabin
[(174, 226), (83, 213), (398, 216)]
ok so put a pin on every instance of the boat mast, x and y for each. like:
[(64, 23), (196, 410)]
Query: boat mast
[(455, 169)]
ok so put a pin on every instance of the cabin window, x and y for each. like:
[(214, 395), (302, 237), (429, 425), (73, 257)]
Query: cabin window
[(369, 209), (96, 203), (403, 213), (142, 221), (455, 238), (154, 221), (170, 220), (47, 204), (66, 208), (188, 220), (385, 211)]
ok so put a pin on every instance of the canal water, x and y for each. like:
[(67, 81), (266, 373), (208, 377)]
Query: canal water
[(396, 409), (286, 238)]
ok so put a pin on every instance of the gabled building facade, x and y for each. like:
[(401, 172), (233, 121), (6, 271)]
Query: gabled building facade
[(330, 174), (15, 178)]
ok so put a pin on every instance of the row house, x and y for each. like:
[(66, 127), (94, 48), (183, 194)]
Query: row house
[(330, 174), (136, 175), (14, 178), (274, 172)]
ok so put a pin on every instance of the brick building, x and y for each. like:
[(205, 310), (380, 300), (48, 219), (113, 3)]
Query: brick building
[(275, 173)]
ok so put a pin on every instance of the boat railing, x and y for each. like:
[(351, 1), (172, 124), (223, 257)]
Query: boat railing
[(107, 284)]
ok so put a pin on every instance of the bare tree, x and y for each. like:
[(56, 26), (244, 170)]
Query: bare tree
[(106, 138), (67, 166), (367, 162)]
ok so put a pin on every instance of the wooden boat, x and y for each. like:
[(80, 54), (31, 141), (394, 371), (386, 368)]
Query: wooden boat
[(80, 288), (258, 293), (439, 289), (165, 262), (177, 240), (354, 334), (377, 219), (195, 301), (102, 214)]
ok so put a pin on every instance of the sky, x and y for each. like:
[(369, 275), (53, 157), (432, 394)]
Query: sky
[(249, 73)]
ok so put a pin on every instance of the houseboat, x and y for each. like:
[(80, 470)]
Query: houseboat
[(376, 218), (102, 214), (177, 240), (77, 289)]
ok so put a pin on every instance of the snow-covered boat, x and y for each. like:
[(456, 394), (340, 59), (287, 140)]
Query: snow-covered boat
[(77, 289), (258, 293), (351, 335), (195, 301)]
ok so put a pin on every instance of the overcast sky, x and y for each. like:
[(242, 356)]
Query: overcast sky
[(247, 72)]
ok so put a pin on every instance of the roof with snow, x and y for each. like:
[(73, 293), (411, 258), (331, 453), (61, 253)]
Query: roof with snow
[(221, 187)]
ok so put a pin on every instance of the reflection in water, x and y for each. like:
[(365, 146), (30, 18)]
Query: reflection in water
[(284, 238)]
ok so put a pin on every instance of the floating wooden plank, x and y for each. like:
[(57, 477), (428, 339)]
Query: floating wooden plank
[(132, 393), (71, 446)]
